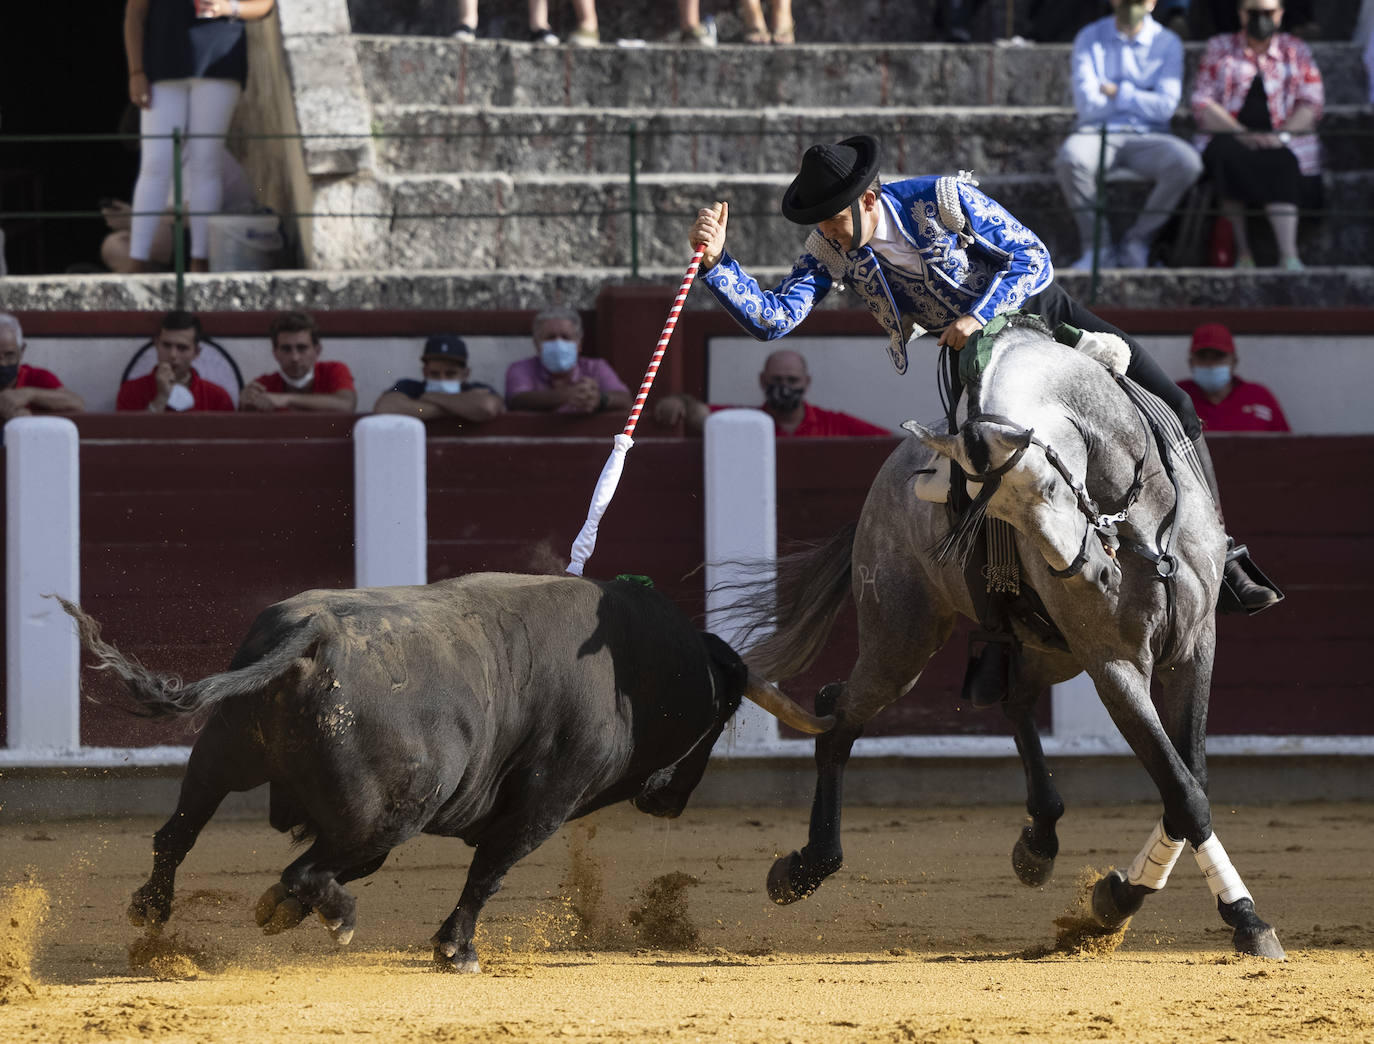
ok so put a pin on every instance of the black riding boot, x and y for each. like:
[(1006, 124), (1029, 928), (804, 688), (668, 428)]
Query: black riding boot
[(1244, 587)]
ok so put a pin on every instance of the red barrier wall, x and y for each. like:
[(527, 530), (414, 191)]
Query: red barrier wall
[(191, 525)]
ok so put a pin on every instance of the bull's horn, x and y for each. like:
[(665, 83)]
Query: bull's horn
[(789, 712)]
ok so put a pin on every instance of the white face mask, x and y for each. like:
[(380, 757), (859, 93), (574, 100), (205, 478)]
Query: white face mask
[(446, 387), (180, 398), (1212, 378), (297, 382), (558, 355)]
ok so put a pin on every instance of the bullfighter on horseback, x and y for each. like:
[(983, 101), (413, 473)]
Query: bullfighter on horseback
[(926, 254)]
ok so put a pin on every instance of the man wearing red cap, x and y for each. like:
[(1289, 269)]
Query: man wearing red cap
[(1223, 401), (923, 254)]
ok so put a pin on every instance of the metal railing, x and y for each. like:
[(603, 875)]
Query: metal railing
[(634, 136)]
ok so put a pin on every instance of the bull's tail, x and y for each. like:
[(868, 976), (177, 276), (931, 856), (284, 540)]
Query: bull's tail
[(164, 695), (800, 608)]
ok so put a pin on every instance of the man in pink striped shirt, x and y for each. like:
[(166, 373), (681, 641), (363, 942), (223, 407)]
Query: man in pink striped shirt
[(558, 378), (1258, 97)]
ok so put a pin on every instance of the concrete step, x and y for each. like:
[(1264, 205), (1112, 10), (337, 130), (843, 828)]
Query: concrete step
[(988, 139), (578, 287), (413, 70), (864, 21), (483, 221)]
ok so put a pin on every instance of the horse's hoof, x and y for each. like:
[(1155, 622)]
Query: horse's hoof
[(1031, 868), (1114, 900), (147, 909), (780, 876), (1263, 943)]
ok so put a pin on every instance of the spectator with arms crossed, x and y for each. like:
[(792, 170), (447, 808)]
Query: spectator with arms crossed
[(785, 382), (174, 384), (558, 378), (303, 381), (1128, 75), (26, 390), (445, 390)]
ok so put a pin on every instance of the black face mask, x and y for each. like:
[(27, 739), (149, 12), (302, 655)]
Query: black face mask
[(8, 374), (1259, 25), (781, 397)]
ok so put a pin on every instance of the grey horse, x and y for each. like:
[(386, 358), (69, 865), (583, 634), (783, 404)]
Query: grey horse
[(1051, 433)]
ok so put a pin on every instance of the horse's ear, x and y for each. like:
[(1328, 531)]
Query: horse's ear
[(945, 445)]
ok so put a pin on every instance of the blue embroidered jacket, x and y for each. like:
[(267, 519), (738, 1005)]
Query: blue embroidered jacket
[(975, 259)]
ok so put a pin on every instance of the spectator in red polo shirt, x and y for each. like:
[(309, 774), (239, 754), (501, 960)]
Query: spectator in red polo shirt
[(785, 382), (303, 381), (174, 384), (1223, 401), (26, 390)]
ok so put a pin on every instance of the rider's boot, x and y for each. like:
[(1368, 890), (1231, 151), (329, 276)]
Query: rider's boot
[(1244, 587)]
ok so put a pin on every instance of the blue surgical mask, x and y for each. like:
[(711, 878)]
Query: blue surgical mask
[(446, 387), (558, 355), (1212, 378)]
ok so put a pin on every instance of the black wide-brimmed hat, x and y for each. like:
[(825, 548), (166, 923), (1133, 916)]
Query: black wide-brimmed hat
[(831, 178)]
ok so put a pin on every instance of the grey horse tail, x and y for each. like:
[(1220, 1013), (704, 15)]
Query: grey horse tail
[(164, 695), (812, 584)]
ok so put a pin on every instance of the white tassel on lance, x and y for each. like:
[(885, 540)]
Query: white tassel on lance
[(601, 498)]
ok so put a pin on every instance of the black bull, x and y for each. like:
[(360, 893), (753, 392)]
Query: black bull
[(492, 708)]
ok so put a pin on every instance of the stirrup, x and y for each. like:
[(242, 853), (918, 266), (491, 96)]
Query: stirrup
[(987, 679), (1228, 599)]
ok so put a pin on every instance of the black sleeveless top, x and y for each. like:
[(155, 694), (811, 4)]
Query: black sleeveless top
[(178, 46), (1254, 114)]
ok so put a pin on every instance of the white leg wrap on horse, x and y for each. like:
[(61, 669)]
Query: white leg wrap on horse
[(1221, 876), (1156, 860)]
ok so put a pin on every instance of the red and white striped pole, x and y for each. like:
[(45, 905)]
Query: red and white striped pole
[(610, 473)]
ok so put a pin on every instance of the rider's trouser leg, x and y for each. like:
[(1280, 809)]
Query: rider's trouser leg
[(1057, 306)]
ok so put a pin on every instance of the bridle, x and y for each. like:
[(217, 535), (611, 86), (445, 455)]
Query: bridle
[(1104, 525)]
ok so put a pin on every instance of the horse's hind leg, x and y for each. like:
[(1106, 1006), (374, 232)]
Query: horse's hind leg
[(1032, 857), (899, 631), (1187, 814)]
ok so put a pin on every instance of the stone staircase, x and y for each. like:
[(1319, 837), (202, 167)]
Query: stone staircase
[(529, 148)]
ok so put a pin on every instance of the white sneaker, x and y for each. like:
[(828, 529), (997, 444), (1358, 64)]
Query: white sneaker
[(1106, 258), (1132, 253)]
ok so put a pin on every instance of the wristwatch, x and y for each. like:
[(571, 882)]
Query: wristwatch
[(1285, 137)]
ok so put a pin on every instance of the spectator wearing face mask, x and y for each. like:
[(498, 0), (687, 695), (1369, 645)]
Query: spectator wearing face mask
[(785, 382), (1223, 401), (26, 390), (303, 380), (445, 390), (558, 378)]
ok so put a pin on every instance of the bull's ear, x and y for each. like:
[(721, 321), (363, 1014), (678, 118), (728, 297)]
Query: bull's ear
[(729, 662)]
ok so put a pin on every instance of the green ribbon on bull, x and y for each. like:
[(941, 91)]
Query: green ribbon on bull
[(635, 578)]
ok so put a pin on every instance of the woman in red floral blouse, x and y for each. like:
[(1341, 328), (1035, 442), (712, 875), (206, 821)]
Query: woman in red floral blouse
[(1257, 98)]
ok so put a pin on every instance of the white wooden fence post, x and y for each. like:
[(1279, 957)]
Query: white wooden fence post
[(389, 502), (42, 556), (741, 526)]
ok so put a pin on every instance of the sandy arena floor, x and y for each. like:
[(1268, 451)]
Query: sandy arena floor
[(625, 928)]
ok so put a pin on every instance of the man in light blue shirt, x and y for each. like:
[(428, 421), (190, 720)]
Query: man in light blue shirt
[(1127, 74)]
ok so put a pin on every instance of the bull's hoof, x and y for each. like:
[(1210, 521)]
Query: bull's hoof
[(278, 910), (149, 908), (1032, 868), (1252, 936), (1115, 900), (446, 959), (341, 933)]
